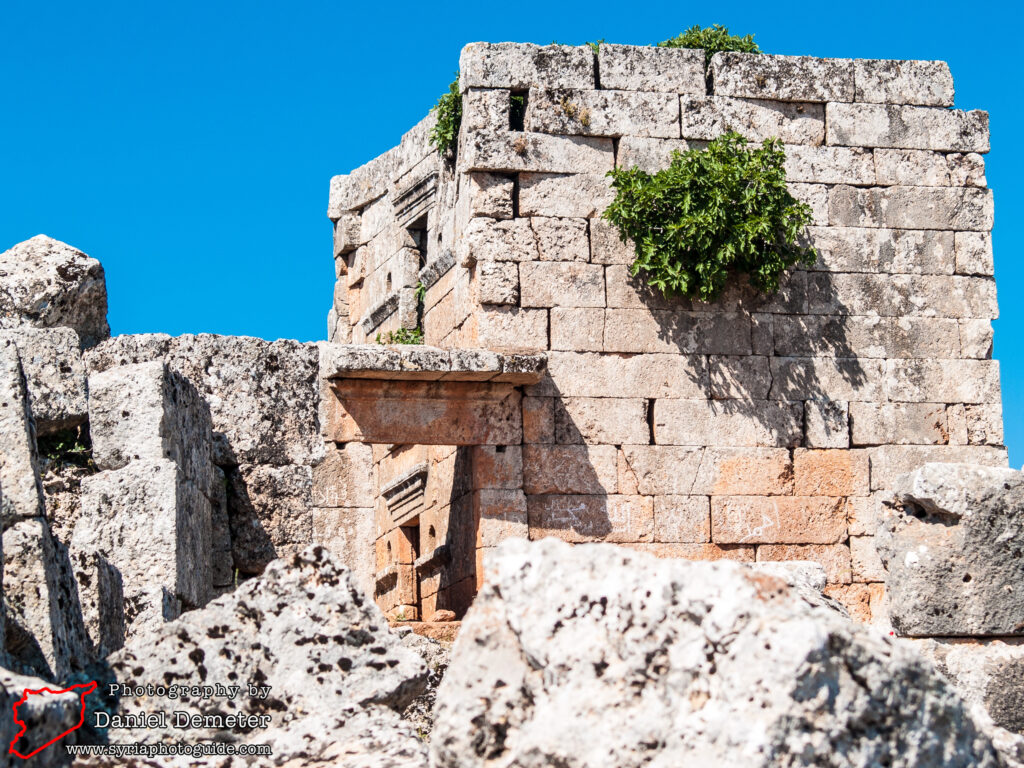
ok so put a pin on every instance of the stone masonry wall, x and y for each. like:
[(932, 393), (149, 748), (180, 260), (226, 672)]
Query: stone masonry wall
[(753, 428)]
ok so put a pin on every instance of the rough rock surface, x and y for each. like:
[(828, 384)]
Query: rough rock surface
[(48, 284), (597, 656), (43, 624), (989, 675), (420, 712), (151, 524), (146, 411), (335, 676), (54, 373), (262, 395), (952, 543)]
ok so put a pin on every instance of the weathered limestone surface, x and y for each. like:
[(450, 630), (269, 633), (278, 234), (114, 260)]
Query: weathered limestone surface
[(643, 68), (782, 78), (336, 676), (711, 664), (951, 543), (262, 395), (926, 83), (43, 627), (521, 65), (54, 375), (152, 524), (146, 411), (269, 512), (882, 125), (49, 284)]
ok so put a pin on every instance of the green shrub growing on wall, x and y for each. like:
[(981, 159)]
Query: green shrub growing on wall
[(712, 39), (713, 212), (401, 336), (445, 133)]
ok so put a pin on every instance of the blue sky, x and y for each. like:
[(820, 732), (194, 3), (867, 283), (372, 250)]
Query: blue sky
[(189, 146)]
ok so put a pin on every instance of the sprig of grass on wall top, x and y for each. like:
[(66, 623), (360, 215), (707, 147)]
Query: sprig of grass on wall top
[(712, 213)]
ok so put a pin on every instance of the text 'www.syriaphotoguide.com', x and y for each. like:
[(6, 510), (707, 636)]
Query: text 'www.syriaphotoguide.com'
[(197, 749)]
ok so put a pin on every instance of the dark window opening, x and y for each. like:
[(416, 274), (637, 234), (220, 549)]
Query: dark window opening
[(517, 110)]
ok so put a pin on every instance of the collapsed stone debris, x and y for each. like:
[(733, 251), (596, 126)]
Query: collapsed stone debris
[(182, 506)]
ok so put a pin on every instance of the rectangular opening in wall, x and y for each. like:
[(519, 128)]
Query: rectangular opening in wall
[(418, 232), (517, 110)]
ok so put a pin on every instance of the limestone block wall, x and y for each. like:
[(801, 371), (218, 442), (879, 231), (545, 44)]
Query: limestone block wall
[(755, 428)]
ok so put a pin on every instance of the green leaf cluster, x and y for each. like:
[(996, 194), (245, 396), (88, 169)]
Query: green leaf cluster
[(401, 336), (445, 133), (713, 39), (713, 212), (69, 447)]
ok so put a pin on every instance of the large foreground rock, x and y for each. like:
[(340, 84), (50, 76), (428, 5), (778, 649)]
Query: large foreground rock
[(335, 676), (48, 284), (952, 542), (598, 656)]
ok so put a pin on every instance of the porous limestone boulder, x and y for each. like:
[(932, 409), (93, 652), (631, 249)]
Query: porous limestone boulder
[(332, 677), (263, 395), (45, 283), (599, 656), (952, 542), (54, 375)]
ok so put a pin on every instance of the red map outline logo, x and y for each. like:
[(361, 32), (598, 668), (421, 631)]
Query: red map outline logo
[(89, 688)]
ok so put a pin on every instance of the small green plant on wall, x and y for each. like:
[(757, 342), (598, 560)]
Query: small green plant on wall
[(712, 213), (713, 39), (445, 133), (401, 336)]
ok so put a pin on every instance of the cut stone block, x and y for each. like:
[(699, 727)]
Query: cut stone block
[(925, 83), (270, 513), (882, 125), (54, 375), (146, 411), (951, 542), (782, 78), (524, 65), (604, 113), (153, 525), (22, 493), (708, 117), (645, 68)]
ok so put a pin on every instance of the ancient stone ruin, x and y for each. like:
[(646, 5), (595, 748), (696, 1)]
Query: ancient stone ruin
[(209, 509)]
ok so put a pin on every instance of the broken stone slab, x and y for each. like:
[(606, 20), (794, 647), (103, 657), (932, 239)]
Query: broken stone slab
[(49, 284), (782, 78), (598, 656), (951, 542), (525, 65), (54, 375), (647, 68), (147, 411), (923, 83), (151, 524), (262, 395), (409, 362), (333, 677), (45, 633), (19, 462)]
